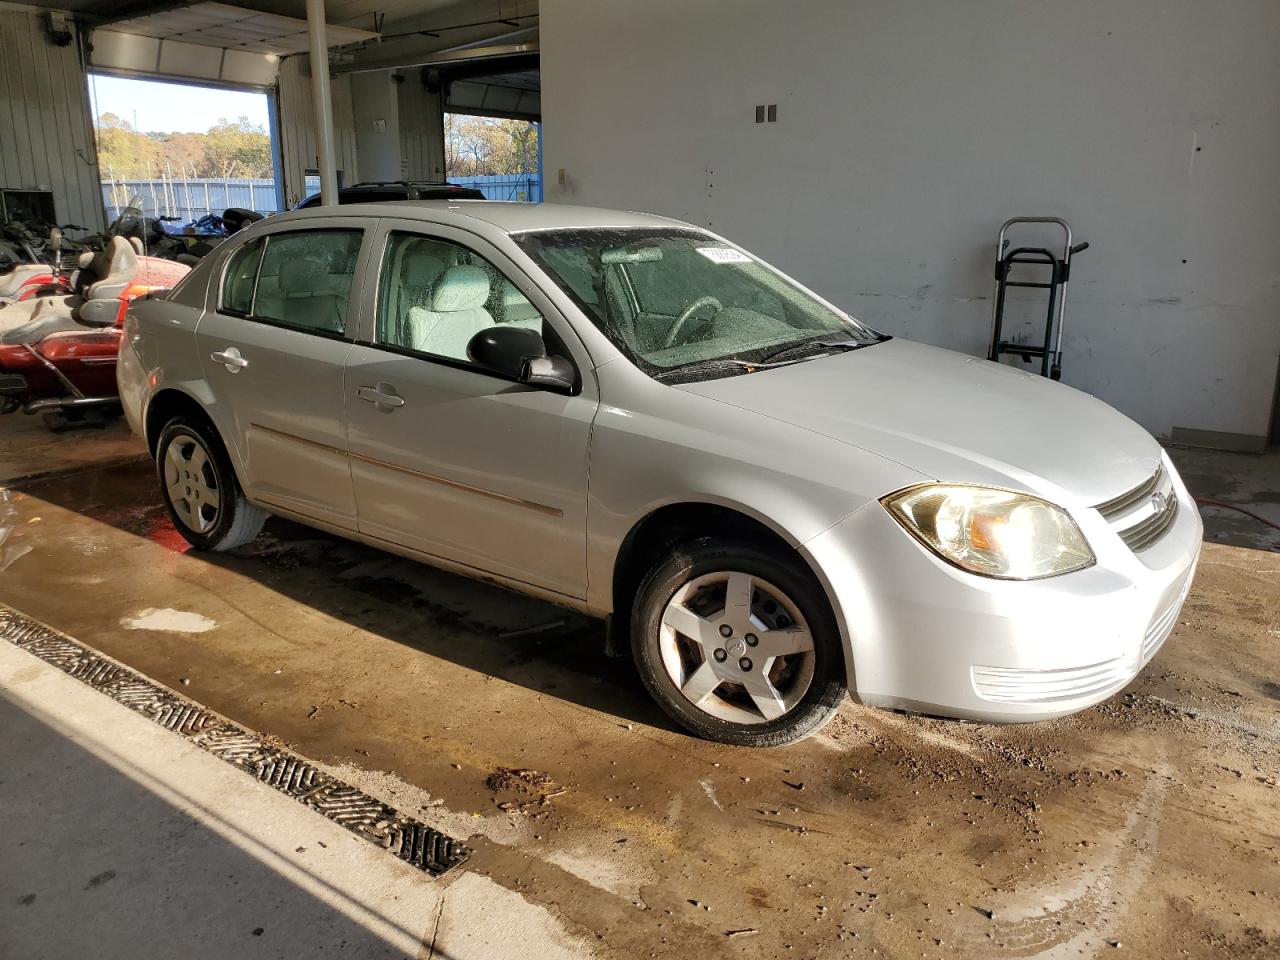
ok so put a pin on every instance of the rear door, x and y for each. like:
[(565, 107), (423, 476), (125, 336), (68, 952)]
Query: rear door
[(446, 457), (273, 353)]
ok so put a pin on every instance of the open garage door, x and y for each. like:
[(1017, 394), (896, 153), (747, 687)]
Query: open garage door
[(493, 126), (190, 151)]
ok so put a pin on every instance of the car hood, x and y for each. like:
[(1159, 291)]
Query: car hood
[(954, 418)]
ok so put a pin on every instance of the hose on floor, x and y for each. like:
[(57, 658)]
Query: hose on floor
[(1239, 509)]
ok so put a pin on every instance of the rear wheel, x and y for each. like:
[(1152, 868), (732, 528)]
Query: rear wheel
[(738, 645), (200, 489)]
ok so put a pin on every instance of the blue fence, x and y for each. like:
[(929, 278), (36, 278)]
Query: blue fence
[(190, 199), (518, 186)]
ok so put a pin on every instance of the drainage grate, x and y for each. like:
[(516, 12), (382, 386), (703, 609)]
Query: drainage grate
[(410, 840)]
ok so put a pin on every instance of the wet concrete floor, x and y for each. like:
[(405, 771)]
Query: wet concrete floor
[(1149, 824)]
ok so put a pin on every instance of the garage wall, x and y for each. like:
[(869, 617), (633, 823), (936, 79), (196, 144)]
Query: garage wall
[(377, 125), (908, 130), (298, 127), (45, 138), (421, 129)]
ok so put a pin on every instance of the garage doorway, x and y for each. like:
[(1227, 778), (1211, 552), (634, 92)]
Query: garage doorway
[(499, 156), (189, 151)]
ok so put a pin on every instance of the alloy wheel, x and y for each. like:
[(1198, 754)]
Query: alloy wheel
[(737, 647), (192, 483)]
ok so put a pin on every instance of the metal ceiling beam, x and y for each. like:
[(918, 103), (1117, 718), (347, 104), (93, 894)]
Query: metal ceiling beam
[(437, 58)]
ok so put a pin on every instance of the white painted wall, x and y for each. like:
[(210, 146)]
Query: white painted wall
[(376, 110), (909, 129), (45, 139)]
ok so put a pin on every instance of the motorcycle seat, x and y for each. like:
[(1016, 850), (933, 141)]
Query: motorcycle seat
[(11, 282), (103, 276), (16, 318)]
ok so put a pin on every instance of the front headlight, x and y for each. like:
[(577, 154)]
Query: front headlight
[(996, 533)]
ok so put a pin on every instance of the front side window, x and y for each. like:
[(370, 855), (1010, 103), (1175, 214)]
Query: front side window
[(434, 296), (300, 279), (677, 299)]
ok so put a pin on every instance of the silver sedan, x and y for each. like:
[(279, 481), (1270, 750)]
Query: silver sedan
[(770, 503)]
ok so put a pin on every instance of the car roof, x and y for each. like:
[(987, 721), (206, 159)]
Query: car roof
[(508, 216)]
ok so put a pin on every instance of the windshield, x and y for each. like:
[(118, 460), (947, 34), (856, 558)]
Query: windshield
[(677, 299)]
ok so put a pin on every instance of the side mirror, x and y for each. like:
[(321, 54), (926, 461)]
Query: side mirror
[(99, 313), (519, 353)]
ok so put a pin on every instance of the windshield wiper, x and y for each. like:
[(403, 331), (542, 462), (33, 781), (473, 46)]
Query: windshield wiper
[(711, 366), (814, 344)]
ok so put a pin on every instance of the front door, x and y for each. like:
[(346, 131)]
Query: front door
[(450, 459), (274, 353)]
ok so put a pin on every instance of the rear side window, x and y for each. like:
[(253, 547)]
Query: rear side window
[(237, 283), (300, 279)]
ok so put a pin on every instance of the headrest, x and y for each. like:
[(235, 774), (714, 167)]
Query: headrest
[(420, 267), (463, 287), (515, 305), (303, 276)]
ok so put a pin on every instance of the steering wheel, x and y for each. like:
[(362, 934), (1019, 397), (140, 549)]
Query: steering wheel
[(688, 312)]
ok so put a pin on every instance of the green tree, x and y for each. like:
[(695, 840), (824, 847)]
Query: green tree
[(485, 146), (225, 151), (238, 149)]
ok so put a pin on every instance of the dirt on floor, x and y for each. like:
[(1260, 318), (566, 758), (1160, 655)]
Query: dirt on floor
[(1149, 824)]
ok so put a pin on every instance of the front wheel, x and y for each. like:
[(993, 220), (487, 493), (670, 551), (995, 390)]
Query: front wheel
[(200, 489), (738, 645)]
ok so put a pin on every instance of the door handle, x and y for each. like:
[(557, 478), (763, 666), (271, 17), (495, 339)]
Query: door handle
[(383, 396), (229, 358)]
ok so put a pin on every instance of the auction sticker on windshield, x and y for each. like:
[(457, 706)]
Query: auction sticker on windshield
[(723, 255)]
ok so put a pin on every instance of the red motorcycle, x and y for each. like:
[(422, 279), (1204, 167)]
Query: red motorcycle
[(58, 353)]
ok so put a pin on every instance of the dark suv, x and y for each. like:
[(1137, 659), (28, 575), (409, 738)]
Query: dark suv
[(383, 191)]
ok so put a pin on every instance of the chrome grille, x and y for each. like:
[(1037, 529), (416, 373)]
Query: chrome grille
[(1127, 501), (1149, 530), (1142, 515)]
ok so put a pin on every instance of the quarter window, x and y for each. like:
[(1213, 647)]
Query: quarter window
[(435, 296)]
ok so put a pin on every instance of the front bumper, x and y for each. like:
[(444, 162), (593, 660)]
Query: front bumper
[(924, 636)]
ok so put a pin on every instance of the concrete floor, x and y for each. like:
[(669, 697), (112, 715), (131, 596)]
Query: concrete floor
[(1151, 822)]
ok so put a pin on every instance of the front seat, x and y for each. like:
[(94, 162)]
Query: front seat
[(300, 303), (457, 313), (420, 270)]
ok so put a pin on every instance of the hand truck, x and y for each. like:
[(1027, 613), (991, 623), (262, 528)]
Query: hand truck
[(1050, 353)]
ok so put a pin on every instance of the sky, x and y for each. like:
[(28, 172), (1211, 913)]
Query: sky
[(173, 107)]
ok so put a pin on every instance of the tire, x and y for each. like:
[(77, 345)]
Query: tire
[(200, 489), (684, 589)]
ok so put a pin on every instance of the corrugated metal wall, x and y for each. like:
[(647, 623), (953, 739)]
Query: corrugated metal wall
[(45, 139), (421, 130), (297, 127)]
